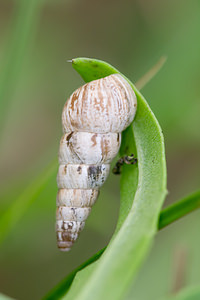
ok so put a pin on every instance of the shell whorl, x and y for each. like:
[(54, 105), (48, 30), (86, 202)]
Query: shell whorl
[(92, 119)]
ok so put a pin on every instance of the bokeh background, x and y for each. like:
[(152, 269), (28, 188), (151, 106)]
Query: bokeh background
[(36, 40)]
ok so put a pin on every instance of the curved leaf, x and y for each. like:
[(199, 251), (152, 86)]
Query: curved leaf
[(111, 275), (168, 215)]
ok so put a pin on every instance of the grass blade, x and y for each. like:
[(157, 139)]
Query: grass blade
[(179, 209), (151, 73)]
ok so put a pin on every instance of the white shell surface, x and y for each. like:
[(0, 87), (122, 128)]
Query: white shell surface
[(76, 197), (89, 148), (62, 235), (64, 245), (82, 176), (100, 106), (69, 226), (78, 214)]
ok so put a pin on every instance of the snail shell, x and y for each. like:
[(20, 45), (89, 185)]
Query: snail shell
[(92, 119)]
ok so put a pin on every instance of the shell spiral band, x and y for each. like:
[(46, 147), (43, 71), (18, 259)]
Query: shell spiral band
[(93, 118)]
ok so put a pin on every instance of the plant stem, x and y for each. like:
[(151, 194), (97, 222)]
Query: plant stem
[(151, 73), (179, 209)]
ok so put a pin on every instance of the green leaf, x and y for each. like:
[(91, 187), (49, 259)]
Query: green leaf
[(179, 209), (167, 216), (112, 274), (129, 178)]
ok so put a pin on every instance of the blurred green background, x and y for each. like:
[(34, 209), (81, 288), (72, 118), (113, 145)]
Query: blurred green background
[(36, 39)]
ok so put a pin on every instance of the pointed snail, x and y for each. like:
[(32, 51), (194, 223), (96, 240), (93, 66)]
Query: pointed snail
[(92, 119)]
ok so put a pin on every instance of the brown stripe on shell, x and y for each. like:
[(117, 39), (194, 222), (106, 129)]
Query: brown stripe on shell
[(68, 137), (94, 139), (105, 109)]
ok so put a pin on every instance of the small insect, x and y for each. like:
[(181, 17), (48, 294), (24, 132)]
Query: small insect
[(129, 160), (92, 119)]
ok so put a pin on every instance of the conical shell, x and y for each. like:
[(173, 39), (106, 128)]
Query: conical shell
[(93, 119), (100, 106)]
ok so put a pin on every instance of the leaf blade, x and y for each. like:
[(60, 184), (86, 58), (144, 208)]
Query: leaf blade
[(164, 220), (179, 209), (110, 276)]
